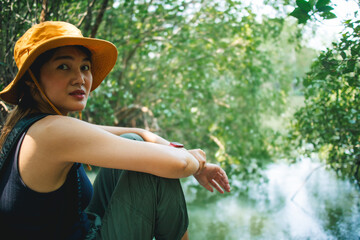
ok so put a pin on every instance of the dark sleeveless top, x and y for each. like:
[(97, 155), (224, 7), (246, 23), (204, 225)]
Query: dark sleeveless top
[(27, 214)]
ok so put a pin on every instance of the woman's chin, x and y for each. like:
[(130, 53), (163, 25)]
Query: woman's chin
[(74, 109)]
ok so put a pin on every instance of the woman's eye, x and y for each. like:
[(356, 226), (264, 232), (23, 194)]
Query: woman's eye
[(86, 67), (63, 67)]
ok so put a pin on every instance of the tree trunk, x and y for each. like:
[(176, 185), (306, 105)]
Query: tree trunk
[(99, 18)]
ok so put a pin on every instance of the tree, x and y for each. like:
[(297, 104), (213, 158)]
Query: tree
[(206, 73), (199, 71), (330, 119)]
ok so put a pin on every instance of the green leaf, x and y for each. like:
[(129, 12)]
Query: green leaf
[(321, 3), (350, 65), (300, 15), (312, 3), (328, 15), (304, 5), (343, 55), (355, 50), (325, 9)]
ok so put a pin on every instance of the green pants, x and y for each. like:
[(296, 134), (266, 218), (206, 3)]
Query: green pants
[(138, 206)]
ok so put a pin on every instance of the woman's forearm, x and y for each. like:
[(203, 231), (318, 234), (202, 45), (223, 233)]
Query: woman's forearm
[(146, 135), (193, 162)]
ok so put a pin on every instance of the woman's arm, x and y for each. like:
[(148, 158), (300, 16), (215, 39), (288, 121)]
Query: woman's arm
[(70, 140), (146, 135), (210, 175)]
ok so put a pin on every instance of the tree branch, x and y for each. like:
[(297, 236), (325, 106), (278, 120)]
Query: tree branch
[(43, 14), (99, 18), (88, 13)]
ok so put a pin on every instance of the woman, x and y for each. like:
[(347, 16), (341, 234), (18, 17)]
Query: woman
[(45, 192)]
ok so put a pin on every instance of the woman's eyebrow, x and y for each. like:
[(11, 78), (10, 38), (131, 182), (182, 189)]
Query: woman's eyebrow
[(71, 58)]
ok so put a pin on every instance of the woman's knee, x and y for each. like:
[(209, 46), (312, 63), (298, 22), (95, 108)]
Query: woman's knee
[(136, 188), (158, 201), (172, 218), (132, 136)]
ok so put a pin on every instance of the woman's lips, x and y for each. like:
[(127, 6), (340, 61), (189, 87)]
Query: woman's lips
[(78, 94)]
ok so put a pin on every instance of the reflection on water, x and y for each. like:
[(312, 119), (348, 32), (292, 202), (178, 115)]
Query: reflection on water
[(300, 201)]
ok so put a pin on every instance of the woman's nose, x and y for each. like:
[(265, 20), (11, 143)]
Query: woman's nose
[(79, 77)]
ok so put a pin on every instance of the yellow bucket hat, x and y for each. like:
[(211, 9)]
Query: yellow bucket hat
[(52, 34)]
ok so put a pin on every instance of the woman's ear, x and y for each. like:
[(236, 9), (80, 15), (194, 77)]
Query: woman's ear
[(30, 84)]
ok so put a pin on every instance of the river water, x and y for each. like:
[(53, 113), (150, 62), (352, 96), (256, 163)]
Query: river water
[(299, 201)]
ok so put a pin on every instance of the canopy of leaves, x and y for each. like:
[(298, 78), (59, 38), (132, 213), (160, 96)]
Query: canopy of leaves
[(200, 72), (330, 120)]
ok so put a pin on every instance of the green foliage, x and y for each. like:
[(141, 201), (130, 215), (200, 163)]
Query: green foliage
[(330, 120), (205, 73), (306, 10), (201, 74), (14, 21)]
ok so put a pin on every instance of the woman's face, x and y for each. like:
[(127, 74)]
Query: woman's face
[(66, 79)]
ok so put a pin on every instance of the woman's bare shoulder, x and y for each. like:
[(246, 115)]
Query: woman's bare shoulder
[(55, 120), (56, 132), (68, 139), (56, 125)]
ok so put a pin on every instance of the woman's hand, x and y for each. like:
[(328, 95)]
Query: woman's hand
[(213, 175)]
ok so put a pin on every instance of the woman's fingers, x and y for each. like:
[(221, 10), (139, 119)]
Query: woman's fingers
[(225, 181), (213, 176), (208, 187), (225, 185), (219, 184), (222, 180), (216, 186)]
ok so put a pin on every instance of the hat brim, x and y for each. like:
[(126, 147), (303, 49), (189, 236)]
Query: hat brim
[(104, 56)]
